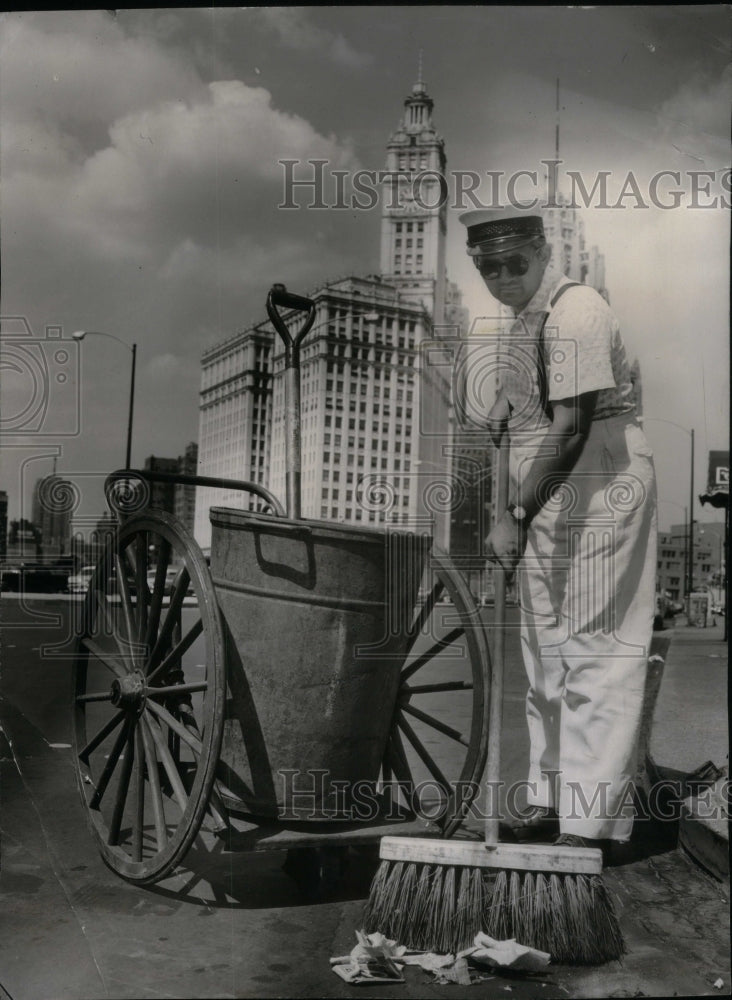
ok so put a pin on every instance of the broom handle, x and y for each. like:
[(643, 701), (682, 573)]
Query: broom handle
[(495, 716)]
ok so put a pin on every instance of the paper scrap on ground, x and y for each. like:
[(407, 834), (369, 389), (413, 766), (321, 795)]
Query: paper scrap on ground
[(376, 959), (506, 954), (371, 961)]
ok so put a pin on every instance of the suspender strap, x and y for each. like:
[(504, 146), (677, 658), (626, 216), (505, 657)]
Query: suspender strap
[(543, 394), (560, 292)]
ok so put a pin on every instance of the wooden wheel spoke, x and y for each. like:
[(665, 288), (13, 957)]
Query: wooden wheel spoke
[(424, 612), (94, 696), (156, 794), (104, 657), (148, 763), (123, 585), (103, 733), (430, 653), (139, 817), (170, 620), (409, 689), (194, 687), (143, 593), (423, 754), (109, 767), (109, 626), (182, 647), (176, 726), (396, 764), (430, 720), (168, 763), (122, 788), (158, 592)]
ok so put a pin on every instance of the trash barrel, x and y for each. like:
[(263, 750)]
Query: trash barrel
[(316, 618)]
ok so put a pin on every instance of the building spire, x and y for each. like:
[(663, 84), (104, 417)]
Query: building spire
[(420, 81), (556, 134)]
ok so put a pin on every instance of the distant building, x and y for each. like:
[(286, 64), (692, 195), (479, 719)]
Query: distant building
[(24, 541), (673, 554), (51, 513), (375, 397), (103, 530), (564, 228), (162, 495), (184, 499), (3, 525)]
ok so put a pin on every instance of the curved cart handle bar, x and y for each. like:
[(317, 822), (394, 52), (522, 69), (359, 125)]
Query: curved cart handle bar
[(186, 480), (279, 296)]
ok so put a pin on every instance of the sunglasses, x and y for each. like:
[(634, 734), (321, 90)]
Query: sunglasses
[(490, 268)]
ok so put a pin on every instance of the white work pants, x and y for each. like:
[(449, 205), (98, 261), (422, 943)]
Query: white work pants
[(587, 585)]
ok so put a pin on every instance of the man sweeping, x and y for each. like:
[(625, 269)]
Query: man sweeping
[(580, 530)]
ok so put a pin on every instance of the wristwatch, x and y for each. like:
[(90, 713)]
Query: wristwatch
[(519, 514)]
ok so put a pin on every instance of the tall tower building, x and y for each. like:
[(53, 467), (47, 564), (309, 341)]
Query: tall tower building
[(414, 209), (375, 374), (564, 228)]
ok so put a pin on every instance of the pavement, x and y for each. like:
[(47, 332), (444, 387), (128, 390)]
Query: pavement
[(233, 925)]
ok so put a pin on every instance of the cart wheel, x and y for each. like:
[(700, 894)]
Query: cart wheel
[(149, 690), (437, 747)]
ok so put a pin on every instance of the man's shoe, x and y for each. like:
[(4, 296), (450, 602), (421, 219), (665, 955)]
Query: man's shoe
[(539, 823), (574, 840)]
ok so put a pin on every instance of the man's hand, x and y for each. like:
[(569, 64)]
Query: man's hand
[(506, 543)]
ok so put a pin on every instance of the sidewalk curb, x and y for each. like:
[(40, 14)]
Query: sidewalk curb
[(704, 838)]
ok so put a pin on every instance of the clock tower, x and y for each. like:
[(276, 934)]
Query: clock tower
[(414, 213)]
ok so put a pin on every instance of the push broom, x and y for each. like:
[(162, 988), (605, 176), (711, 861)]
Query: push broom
[(436, 895)]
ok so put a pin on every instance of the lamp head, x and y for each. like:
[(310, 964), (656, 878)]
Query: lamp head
[(78, 335)]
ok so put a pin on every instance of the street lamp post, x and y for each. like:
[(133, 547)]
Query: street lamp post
[(79, 335)]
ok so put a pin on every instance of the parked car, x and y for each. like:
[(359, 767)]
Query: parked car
[(79, 582), (35, 578), (170, 575)]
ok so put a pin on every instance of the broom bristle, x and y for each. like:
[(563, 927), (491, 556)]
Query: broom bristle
[(419, 913), (470, 904), (433, 908), (402, 914)]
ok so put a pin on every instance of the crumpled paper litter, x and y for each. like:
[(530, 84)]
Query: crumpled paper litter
[(376, 959)]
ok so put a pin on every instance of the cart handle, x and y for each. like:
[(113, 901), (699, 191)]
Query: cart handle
[(185, 480), (279, 296)]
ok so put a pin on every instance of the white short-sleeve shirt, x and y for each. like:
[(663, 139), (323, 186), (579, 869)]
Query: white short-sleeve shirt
[(582, 347)]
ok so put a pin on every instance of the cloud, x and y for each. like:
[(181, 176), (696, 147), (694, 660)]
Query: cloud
[(695, 120), (203, 169), (295, 31), (83, 70)]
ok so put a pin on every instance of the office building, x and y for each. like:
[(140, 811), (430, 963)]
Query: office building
[(375, 378)]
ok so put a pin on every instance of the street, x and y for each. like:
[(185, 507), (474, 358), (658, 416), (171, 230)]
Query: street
[(233, 924)]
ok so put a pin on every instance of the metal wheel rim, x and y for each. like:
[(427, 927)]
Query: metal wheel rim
[(463, 788), (142, 727)]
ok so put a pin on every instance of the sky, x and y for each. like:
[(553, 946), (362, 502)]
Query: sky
[(140, 188)]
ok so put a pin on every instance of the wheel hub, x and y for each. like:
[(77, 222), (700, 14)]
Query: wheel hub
[(128, 692)]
